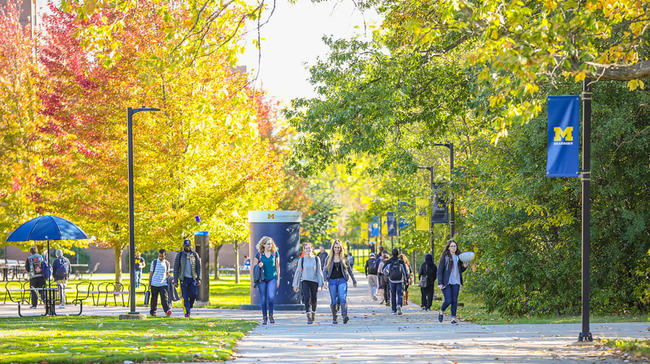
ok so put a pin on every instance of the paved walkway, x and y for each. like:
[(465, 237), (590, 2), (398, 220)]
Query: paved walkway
[(375, 335)]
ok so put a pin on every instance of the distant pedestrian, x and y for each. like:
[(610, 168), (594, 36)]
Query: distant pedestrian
[(337, 273), (61, 272), (322, 256), (383, 280), (35, 265), (308, 278), (427, 278), (408, 279), (139, 264), (395, 271), (450, 278), (158, 283), (268, 260), (187, 271), (371, 273)]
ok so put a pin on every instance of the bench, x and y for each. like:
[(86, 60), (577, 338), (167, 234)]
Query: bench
[(115, 289)]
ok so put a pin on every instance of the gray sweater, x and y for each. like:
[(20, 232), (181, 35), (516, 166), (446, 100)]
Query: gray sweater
[(308, 269)]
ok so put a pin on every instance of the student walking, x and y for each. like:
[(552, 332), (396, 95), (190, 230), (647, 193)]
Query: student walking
[(36, 266), (308, 277), (268, 260), (371, 273), (450, 278), (427, 277), (158, 283), (322, 256), (337, 273), (187, 271), (139, 263), (408, 279), (395, 271), (61, 272), (383, 280)]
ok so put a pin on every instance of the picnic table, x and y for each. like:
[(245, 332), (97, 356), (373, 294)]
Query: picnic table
[(11, 266), (78, 270)]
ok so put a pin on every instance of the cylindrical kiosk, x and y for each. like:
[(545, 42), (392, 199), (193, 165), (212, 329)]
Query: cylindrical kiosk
[(202, 247), (284, 228)]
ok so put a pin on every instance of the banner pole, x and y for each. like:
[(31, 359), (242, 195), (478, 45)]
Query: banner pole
[(585, 335)]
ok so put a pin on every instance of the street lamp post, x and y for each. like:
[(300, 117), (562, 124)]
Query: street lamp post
[(433, 240), (130, 113), (451, 171)]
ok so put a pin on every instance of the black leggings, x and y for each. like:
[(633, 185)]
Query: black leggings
[(309, 295)]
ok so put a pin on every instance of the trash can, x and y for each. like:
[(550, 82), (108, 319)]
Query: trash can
[(284, 228)]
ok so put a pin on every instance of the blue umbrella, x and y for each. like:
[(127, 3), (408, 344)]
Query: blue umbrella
[(46, 228)]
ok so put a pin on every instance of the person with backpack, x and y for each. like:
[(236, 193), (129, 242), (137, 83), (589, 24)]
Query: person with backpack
[(450, 278), (308, 277), (38, 270), (408, 279), (61, 272), (187, 271), (427, 277), (371, 273), (384, 290), (395, 270), (158, 283), (268, 259), (337, 274)]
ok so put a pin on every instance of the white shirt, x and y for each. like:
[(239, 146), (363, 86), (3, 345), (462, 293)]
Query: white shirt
[(159, 277)]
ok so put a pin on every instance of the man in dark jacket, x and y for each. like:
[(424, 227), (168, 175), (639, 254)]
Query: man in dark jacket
[(187, 271), (322, 256), (35, 265), (396, 272)]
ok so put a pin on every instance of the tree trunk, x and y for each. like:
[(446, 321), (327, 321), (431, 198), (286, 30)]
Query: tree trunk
[(235, 246), (118, 264), (217, 248)]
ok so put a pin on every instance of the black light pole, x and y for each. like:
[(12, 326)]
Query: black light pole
[(131, 213), (585, 335), (431, 225), (451, 171)]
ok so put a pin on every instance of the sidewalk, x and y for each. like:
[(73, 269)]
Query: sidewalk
[(375, 335)]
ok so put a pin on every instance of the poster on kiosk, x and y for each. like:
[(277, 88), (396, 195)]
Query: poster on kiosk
[(284, 228)]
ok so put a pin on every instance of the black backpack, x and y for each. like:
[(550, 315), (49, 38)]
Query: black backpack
[(61, 268), (395, 272), (372, 267)]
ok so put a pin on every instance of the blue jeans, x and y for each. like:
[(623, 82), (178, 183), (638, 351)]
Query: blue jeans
[(189, 291), (451, 298), (138, 277), (396, 295), (267, 291), (338, 291)]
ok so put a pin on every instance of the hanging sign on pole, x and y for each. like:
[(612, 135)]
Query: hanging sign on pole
[(563, 136)]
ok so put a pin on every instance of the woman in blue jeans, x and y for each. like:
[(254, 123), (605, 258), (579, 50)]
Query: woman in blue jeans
[(337, 273), (450, 278), (268, 259)]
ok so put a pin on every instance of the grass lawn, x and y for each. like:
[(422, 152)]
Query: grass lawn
[(474, 311), (88, 339), (638, 348)]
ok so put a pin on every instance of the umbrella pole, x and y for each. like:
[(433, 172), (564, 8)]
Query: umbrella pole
[(49, 305)]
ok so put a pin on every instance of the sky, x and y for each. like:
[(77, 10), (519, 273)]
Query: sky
[(292, 40)]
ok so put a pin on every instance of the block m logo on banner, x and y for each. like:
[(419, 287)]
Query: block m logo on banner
[(563, 135)]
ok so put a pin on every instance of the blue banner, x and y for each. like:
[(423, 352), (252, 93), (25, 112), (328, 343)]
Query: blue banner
[(392, 225), (374, 227), (563, 136), (402, 223)]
